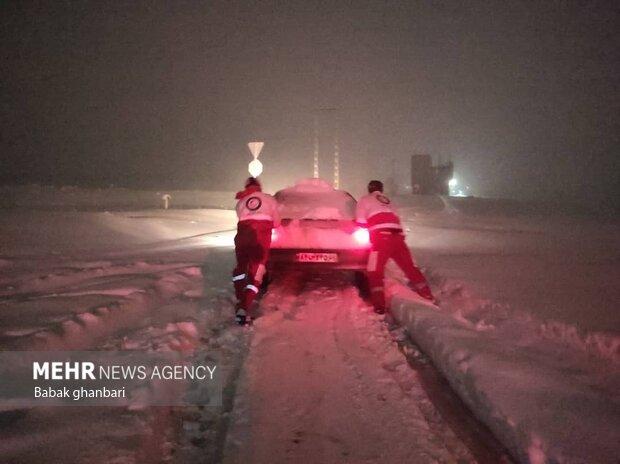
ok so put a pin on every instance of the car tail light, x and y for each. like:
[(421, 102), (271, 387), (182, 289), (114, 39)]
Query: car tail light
[(361, 236)]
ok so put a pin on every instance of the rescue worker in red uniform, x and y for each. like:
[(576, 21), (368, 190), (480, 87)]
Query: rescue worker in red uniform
[(258, 215), (376, 212)]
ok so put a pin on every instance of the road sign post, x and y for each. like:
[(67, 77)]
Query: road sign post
[(255, 167)]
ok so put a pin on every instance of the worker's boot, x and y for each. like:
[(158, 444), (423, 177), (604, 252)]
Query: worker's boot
[(424, 291), (377, 298), (241, 316)]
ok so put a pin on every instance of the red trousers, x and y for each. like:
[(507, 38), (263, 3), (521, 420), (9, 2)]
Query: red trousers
[(385, 245), (252, 244)]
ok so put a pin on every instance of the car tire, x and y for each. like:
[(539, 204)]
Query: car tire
[(266, 281), (362, 284)]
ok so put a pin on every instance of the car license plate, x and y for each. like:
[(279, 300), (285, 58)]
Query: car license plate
[(317, 257)]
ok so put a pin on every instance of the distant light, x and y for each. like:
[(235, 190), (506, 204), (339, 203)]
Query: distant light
[(274, 235), (361, 236), (453, 182), (255, 168)]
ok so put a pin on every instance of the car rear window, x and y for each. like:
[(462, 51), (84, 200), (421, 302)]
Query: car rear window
[(334, 205)]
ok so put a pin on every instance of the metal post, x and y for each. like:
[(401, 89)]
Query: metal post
[(336, 163), (316, 147)]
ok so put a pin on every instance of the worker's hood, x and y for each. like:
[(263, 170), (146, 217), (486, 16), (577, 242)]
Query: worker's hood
[(247, 191)]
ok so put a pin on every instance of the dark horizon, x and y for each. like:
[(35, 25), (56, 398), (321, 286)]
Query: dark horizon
[(523, 98)]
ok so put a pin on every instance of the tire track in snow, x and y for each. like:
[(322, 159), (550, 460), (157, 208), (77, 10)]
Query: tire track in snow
[(89, 328), (147, 435), (325, 383), (58, 281)]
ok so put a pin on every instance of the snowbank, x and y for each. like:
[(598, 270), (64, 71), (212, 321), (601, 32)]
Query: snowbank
[(545, 403), (73, 233), (93, 199), (555, 274)]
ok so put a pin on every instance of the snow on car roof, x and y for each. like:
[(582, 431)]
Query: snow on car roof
[(315, 199), (311, 185)]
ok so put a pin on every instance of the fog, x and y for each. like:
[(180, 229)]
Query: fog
[(522, 97)]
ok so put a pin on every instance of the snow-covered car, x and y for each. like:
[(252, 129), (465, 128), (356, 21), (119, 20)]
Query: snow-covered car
[(318, 229)]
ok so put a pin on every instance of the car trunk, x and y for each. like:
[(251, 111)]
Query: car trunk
[(315, 234)]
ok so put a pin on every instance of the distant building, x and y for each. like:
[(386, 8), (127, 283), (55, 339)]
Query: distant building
[(428, 179)]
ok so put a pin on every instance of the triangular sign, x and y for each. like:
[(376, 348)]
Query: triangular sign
[(255, 148)]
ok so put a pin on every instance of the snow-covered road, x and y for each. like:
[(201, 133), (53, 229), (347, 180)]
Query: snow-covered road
[(326, 382), (318, 378)]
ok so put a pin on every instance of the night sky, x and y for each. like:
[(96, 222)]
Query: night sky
[(522, 96)]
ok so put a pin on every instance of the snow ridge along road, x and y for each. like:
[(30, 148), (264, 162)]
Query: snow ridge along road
[(544, 402)]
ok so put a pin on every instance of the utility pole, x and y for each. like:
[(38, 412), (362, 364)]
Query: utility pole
[(335, 125)]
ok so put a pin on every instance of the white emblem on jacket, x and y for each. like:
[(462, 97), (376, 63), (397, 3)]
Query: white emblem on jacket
[(375, 210), (258, 206)]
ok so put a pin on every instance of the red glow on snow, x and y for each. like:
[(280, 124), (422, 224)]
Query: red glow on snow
[(361, 236)]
